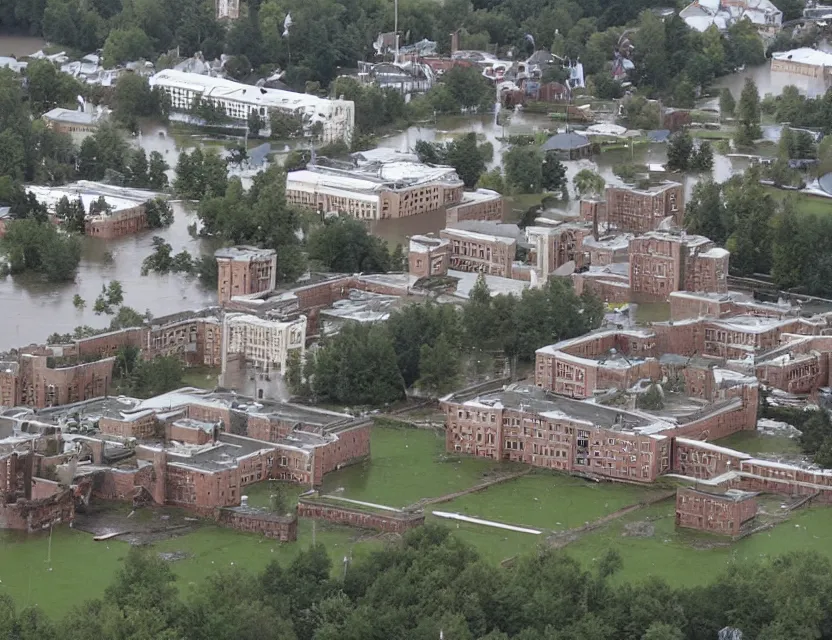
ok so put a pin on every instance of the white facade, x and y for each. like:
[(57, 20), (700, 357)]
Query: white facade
[(337, 117), (265, 344)]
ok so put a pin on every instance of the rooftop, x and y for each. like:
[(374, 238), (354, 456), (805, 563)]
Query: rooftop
[(72, 116), (477, 237), (533, 399), (565, 142), (425, 244), (244, 253), (214, 87), (117, 198), (805, 55)]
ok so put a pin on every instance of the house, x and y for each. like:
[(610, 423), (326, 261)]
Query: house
[(703, 14)]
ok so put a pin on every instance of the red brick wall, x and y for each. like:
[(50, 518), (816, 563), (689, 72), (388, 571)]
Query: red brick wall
[(609, 288), (144, 427), (351, 446), (36, 515), (108, 344), (476, 210), (711, 512), (280, 528), (394, 523), (119, 224), (188, 435), (696, 460)]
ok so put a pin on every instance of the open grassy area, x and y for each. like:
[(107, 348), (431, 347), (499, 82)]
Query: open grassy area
[(754, 442), (712, 134), (546, 501), (407, 465), (549, 501), (686, 558), (804, 203), (82, 569), (201, 377)]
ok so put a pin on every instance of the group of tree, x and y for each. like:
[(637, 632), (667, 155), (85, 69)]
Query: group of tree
[(430, 346), (429, 585), (260, 216), (683, 155), (343, 244), (111, 296), (200, 174), (529, 170), (134, 99), (40, 247), (765, 234), (164, 261), (462, 153), (815, 428), (145, 378)]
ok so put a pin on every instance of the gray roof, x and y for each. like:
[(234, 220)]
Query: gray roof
[(566, 142)]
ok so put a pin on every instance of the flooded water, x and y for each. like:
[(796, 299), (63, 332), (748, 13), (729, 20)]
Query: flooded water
[(33, 309), (20, 46)]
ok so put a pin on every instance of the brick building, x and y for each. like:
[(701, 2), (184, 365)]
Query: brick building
[(428, 256), (636, 210), (724, 512), (40, 383), (117, 223), (692, 304), (661, 263), (611, 359), (244, 270), (553, 247), (377, 185), (28, 503), (480, 253), (611, 283), (68, 121), (482, 204)]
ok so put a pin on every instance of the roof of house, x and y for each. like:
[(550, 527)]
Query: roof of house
[(565, 142)]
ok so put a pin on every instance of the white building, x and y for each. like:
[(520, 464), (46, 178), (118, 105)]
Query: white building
[(239, 101), (265, 344), (378, 186), (703, 14)]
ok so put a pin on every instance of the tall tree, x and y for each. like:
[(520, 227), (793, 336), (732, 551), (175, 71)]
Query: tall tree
[(748, 115)]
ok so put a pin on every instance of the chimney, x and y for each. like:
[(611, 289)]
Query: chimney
[(595, 220)]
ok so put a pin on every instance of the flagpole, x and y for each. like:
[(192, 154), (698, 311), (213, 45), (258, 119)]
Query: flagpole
[(396, 28)]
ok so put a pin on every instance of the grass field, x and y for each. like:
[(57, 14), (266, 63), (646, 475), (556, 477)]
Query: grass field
[(804, 203), (754, 442), (201, 377), (407, 465), (82, 569), (686, 558)]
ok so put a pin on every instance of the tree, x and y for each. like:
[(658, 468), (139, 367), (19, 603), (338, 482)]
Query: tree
[(493, 180), (255, 124), (39, 247), (126, 45), (523, 169), (78, 302), (343, 245), (137, 169), (553, 173), (438, 366), (787, 246), (48, 88), (159, 213), (662, 631), (133, 99), (679, 150), (462, 153), (588, 184), (357, 367), (71, 214), (703, 157), (726, 103), (156, 177), (468, 89), (641, 113), (201, 175), (705, 213), (157, 376), (748, 115)]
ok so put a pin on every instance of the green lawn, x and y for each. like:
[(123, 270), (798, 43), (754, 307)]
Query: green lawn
[(712, 134), (82, 569), (405, 466), (548, 501), (680, 557), (805, 203), (201, 377), (653, 312), (754, 442)]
